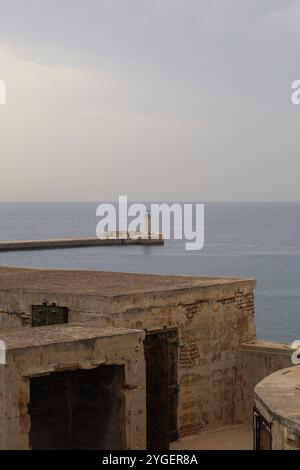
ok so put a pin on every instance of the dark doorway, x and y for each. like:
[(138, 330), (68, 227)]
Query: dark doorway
[(262, 432), (161, 353), (81, 409)]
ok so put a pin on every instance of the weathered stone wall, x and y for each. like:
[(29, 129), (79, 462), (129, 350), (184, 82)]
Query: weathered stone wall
[(13, 320), (219, 361), (212, 323), (69, 347), (277, 400), (255, 361)]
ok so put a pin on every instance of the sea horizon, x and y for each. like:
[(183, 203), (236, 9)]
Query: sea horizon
[(255, 239)]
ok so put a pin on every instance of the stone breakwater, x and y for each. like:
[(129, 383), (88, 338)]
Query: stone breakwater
[(75, 243)]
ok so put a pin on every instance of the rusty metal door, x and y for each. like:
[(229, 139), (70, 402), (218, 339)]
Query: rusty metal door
[(161, 353)]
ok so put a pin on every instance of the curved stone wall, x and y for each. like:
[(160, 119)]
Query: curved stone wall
[(277, 411)]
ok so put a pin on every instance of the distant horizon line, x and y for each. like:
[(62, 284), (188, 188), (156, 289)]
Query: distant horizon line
[(158, 201)]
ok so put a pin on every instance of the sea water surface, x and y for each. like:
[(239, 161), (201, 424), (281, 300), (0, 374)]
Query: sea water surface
[(260, 240)]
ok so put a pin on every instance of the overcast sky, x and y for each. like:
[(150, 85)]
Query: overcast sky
[(156, 99)]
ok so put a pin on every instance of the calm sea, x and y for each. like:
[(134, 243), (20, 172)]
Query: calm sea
[(241, 239)]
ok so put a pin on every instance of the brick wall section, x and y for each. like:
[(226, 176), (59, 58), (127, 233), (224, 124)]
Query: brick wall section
[(210, 332), (207, 358), (188, 355)]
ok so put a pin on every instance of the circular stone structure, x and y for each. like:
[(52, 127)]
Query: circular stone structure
[(277, 411)]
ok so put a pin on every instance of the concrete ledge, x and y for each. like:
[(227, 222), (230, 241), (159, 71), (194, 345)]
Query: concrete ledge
[(261, 346)]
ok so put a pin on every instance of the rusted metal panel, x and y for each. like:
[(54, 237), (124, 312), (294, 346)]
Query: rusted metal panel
[(45, 314)]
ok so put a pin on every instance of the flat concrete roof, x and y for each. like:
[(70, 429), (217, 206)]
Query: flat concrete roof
[(65, 333), (102, 283)]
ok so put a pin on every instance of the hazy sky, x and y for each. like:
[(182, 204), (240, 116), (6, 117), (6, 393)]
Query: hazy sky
[(156, 99)]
